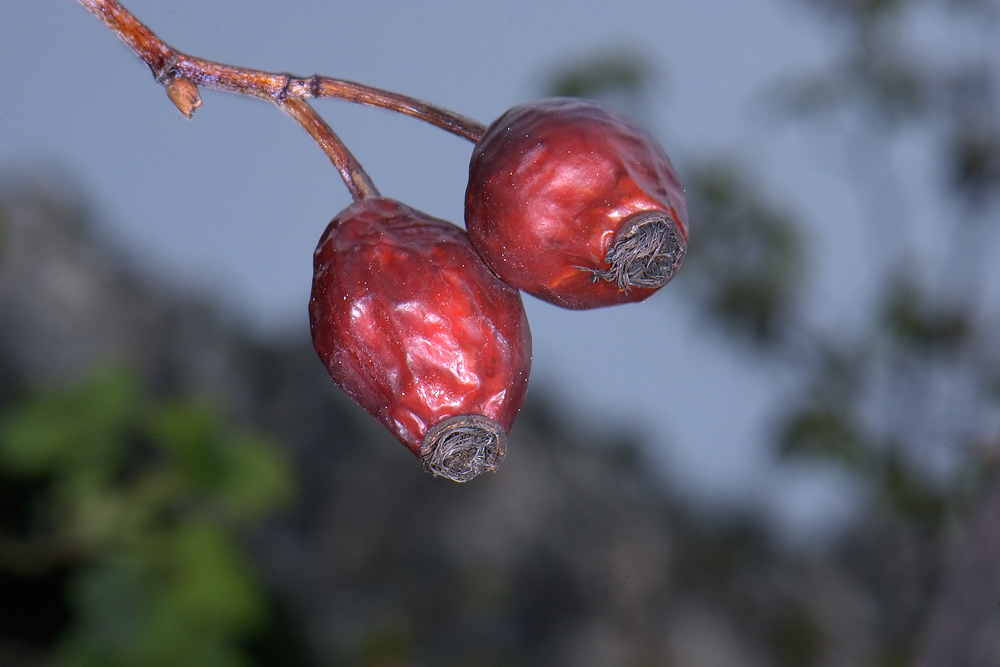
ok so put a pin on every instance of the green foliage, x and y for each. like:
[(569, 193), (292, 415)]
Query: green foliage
[(73, 433), (150, 497), (798, 639), (975, 163), (890, 90), (390, 642), (904, 491), (622, 79), (826, 435), (827, 425), (866, 10), (876, 72), (921, 327), (745, 262), (597, 77)]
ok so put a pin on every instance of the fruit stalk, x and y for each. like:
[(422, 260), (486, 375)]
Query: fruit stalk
[(168, 63), (355, 177), (181, 84)]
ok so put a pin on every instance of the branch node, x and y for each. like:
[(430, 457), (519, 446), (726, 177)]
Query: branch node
[(283, 93), (168, 71)]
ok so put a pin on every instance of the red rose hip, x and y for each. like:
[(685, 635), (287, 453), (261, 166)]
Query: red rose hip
[(415, 328), (574, 203)]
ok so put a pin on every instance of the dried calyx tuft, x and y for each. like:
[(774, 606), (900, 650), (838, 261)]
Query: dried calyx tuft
[(646, 252), (463, 447)]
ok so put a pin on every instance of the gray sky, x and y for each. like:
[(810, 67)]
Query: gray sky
[(232, 203)]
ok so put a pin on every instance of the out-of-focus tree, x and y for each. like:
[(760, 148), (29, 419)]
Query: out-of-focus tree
[(907, 401)]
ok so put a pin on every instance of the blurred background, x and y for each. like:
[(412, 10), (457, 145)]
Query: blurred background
[(786, 457)]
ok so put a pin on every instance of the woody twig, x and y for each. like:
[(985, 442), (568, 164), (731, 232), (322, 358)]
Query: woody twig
[(182, 74)]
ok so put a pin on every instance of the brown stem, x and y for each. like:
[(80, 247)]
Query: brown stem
[(134, 33), (166, 62), (180, 76), (359, 93), (355, 177)]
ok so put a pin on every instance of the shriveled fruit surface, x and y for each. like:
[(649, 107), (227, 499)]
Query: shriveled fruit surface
[(417, 330), (574, 203)]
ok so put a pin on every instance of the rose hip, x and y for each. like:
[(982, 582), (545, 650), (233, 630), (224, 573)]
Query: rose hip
[(415, 328), (575, 204)]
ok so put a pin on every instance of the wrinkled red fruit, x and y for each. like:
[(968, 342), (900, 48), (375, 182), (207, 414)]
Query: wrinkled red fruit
[(416, 328), (575, 204)]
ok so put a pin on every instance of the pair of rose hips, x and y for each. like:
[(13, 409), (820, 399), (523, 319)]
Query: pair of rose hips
[(422, 324)]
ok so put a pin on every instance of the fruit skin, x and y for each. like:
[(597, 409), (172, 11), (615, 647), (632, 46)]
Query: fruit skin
[(413, 325), (551, 184)]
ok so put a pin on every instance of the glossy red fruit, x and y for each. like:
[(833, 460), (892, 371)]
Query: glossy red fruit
[(574, 203), (416, 328)]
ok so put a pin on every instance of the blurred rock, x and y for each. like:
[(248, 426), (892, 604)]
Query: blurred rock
[(68, 304)]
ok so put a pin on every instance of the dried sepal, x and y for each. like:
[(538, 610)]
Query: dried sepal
[(184, 94)]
